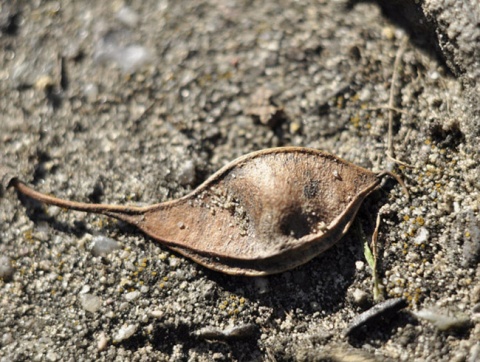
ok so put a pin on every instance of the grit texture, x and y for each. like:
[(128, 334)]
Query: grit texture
[(139, 102)]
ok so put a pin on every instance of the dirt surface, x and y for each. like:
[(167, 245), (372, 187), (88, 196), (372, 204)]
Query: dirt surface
[(104, 102)]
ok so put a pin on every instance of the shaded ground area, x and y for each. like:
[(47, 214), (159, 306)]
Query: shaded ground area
[(141, 103)]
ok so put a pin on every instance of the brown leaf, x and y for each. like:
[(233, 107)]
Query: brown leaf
[(264, 213)]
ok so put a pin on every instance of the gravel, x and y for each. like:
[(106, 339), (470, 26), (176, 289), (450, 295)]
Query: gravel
[(139, 104)]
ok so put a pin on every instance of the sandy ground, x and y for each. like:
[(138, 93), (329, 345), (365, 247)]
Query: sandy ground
[(104, 102)]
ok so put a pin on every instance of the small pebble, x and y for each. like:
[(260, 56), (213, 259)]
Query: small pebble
[(129, 58), (232, 333), (156, 313), (131, 296), (125, 332), (102, 341), (90, 91), (52, 356), (85, 289), (359, 265), (128, 17), (102, 246), (186, 173), (7, 338), (444, 320), (6, 268), (123, 306), (90, 302), (174, 262), (360, 297), (422, 236)]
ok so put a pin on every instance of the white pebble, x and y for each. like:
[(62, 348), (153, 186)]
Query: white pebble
[(90, 91), (51, 356), (365, 95), (186, 174), (7, 338), (125, 332), (102, 246), (6, 268), (442, 319), (102, 341), (90, 302), (85, 289), (174, 262), (128, 17), (130, 58), (156, 313), (422, 236), (359, 265), (360, 297), (130, 297)]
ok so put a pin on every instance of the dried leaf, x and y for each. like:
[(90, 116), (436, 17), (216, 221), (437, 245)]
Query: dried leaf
[(264, 213)]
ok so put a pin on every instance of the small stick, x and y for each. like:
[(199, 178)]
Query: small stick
[(376, 282), (391, 106), (398, 179), (377, 108)]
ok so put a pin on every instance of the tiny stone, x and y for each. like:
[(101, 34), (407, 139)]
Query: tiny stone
[(186, 174), (156, 313), (129, 58), (360, 297), (90, 302), (359, 265), (365, 95), (90, 91), (294, 127), (85, 289), (443, 320), (102, 246), (125, 332), (123, 306), (6, 268), (231, 333), (128, 17), (7, 338), (132, 296), (52, 356), (102, 341), (174, 262), (422, 236)]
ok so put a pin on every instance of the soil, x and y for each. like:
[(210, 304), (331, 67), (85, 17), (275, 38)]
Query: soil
[(139, 102)]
